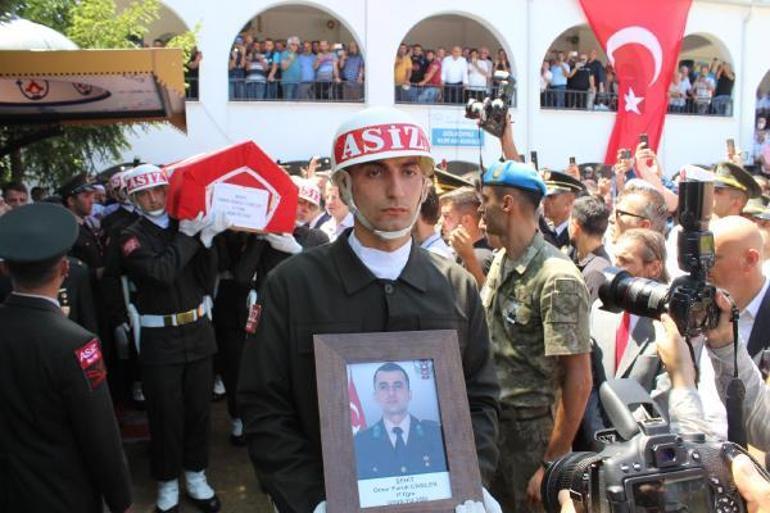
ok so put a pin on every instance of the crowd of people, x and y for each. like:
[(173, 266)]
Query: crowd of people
[(761, 150), (294, 69), (511, 259), (426, 75)]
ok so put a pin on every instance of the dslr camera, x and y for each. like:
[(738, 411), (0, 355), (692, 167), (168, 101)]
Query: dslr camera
[(492, 112), (691, 299), (644, 467)]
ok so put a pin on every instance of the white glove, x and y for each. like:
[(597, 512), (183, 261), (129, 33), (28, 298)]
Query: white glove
[(321, 508), (285, 243), (490, 505), (121, 341), (191, 227), (470, 506), (217, 223)]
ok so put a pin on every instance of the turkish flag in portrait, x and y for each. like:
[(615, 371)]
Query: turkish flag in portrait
[(642, 41), (357, 418)]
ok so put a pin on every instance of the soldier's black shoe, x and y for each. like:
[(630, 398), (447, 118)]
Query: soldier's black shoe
[(238, 440), (211, 505), (173, 509)]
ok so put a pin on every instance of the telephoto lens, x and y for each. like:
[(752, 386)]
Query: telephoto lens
[(639, 296)]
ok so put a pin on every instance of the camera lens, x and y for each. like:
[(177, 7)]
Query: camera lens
[(569, 472), (640, 296)]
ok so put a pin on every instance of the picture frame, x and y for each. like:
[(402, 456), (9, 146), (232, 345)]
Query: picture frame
[(349, 368)]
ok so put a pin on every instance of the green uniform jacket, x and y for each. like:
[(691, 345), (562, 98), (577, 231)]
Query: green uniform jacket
[(537, 309), (329, 290)]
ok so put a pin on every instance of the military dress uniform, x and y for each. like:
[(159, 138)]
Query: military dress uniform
[(421, 453), (329, 290), (60, 448), (537, 310), (172, 273), (560, 183)]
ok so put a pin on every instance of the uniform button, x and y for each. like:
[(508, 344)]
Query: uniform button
[(389, 288)]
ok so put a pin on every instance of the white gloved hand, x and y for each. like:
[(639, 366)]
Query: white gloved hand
[(285, 243), (191, 227), (490, 503), (217, 223), (321, 508), (470, 506), (121, 341)]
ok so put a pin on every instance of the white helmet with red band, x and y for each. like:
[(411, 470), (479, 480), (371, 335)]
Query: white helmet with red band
[(308, 190), (379, 133), (145, 176)]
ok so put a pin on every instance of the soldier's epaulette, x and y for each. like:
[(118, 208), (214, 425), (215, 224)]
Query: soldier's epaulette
[(419, 430), (377, 431)]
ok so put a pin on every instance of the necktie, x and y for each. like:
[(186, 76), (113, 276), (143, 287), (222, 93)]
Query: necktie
[(400, 444), (621, 338)]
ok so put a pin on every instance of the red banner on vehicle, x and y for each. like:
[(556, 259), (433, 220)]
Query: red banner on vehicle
[(642, 40)]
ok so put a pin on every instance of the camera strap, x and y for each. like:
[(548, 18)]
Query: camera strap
[(693, 359), (736, 391)]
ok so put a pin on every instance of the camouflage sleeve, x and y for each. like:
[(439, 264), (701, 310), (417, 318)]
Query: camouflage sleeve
[(564, 310)]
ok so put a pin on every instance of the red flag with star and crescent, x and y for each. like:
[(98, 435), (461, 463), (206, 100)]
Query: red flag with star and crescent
[(642, 41), (357, 418)]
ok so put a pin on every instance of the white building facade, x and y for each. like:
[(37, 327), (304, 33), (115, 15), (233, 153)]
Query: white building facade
[(524, 28)]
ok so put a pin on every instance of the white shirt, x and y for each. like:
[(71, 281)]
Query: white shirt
[(454, 71), (38, 296), (334, 229), (559, 229), (161, 221), (404, 426), (749, 314), (385, 265), (476, 80), (435, 244)]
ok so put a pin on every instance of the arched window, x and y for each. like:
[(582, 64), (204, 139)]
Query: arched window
[(296, 53), (449, 59), (703, 83)]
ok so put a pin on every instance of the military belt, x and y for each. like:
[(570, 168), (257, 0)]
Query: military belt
[(175, 319), (527, 413)]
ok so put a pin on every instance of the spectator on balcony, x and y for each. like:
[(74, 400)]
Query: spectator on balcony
[(351, 65), (479, 74), (191, 73), (326, 71), (703, 91), (454, 75), (307, 72), (256, 72), (316, 46), (501, 61), (677, 93), (579, 82), (430, 86), (545, 82), (419, 68), (402, 71), (596, 90), (272, 61), (291, 69), (559, 72), (724, 90), (236, 71), (763, 101)]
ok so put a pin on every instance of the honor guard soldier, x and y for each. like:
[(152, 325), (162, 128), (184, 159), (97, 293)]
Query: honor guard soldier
[(561, 192), (60, 446), (172, 271), (373, 278), (77, 194), (537, 312)]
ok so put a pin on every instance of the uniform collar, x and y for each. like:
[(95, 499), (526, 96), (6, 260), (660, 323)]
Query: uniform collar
[(33, 301), (355, 276), (520, 265)]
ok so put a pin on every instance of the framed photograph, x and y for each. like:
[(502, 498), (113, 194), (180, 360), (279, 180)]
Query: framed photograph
[(395, 423)]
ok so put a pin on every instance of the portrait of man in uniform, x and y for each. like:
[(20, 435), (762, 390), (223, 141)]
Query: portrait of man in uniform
[(399, 443)]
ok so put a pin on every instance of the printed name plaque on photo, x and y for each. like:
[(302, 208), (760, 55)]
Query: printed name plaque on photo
[(395, 424), (245, 207)]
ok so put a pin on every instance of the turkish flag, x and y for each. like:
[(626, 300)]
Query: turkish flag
[(642, 41), (357, 418)]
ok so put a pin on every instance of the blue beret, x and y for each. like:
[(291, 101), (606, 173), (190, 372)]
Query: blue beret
[(514, 174)]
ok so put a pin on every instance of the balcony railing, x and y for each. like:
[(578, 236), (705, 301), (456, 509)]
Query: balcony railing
[(568, 99), (242, 89), (191, 93), (445, 94)]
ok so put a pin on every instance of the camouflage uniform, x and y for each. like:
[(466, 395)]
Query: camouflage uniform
[(537, 309)]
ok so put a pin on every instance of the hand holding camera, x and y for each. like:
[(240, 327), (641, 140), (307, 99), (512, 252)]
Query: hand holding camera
[(493, 113)]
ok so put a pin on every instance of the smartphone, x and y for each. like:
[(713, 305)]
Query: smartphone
[(572, 161), (731, 147), (643, 139), (533, 159)]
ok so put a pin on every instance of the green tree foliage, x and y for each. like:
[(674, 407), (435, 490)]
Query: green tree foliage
[(90, 24)]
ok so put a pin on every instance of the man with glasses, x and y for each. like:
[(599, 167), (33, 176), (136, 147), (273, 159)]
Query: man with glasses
[(638, 206)]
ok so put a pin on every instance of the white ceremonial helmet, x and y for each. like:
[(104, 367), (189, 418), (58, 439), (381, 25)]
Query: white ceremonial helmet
[(144, 176), (373, 134)]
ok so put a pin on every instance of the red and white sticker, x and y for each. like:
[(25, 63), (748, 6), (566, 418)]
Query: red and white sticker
[(371, 140), (130, 245), (255, 312), (89, 357)]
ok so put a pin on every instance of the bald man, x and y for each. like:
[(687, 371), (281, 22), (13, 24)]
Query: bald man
[(738, 269)]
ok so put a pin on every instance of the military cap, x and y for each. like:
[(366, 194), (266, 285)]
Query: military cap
[(757, 207), (732, 175), (556, 182), (514, 174), (445, 181), (36, 232), (76, 184)]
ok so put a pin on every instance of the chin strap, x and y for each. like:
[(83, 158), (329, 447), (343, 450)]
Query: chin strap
[(346, 193)]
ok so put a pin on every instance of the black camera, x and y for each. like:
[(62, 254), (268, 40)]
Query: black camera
[(691, 299), (644, 467), (492, 112)]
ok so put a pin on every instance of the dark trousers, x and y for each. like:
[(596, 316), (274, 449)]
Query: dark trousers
[(230, 323), (178, 403)]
